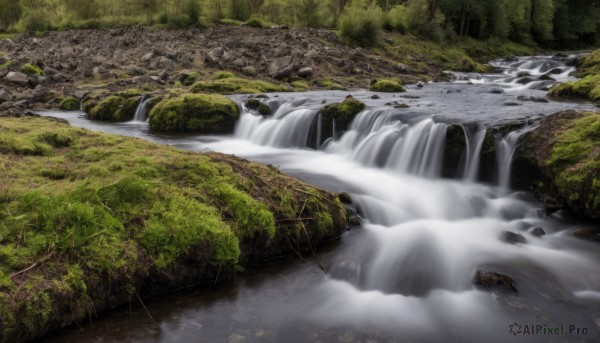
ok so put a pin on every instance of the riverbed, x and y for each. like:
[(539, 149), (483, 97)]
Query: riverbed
[(406, 273)]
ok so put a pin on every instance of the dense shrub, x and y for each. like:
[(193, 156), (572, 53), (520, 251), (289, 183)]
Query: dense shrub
[(361, 22)]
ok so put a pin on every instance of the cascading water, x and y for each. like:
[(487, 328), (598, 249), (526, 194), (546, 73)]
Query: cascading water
[(407, 273), (474, 143), (141, 112)]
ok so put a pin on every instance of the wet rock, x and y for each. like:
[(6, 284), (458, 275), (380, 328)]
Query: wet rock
[(493, 281), (305, 72), (420, 84), (17, 78), (345, 198), (525, 80), (538, 232), (512, 238), (497, 91), (532, 99), (375, 97), (511, 59), (510, 103), (587, 234)]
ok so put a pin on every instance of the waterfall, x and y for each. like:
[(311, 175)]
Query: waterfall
[(505, 150), (473, 153), (141, 112)]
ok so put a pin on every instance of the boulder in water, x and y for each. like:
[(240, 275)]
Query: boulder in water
[(387, 86), (114, 108), (202, 113), (512, 238), (493, 281), (342, 113), (538, 232)]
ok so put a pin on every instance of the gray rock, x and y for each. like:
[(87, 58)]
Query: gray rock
[(249, 71), (305, 72), (17, 78), (538, 232), (147, 57), (512, 238), (495, 281), (5, 96), (280, 67), (162, 63), (136, 71), (50, 71)]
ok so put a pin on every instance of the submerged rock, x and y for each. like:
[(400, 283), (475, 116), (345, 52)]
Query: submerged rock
[(512, 238), (493, 281)]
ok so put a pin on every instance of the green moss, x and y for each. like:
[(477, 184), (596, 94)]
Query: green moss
[(113, 108), (236, 85), (257, 23), (6, 64), (219, 75), (69, 104), (330, 84), (31, 69), (588, 87), (342, 113), (205, 113), (467, 64), (261, 108), (388, 86), (575, 160), (112, 210), (300, 86)]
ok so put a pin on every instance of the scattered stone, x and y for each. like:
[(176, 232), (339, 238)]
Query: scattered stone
[(249, 71), (17, 78), (512, 238), (510, 103), (305, 72), (532, 99), (5, 96), (493, 281), (375, 97)]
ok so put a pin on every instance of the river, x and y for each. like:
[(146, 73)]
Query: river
[(406, 274)]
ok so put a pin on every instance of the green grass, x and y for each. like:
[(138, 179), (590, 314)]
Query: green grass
[(88, 210), (69, 104), (235, 85)]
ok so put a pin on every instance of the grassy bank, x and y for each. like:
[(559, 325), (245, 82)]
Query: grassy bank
[(89, 221), (588, 86)]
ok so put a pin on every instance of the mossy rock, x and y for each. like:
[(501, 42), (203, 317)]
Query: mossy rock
[(258, 106), (587, 88), (69, 104), (31, 69), (467, 64), (113, 108), (219, 75), (565, 148), (342, 113), (235, 85), (202, 113), (387, 86), (107, 217)]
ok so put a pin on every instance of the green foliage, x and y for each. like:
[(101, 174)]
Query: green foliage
[(388, 86), (69, 104), (31, 69), (360, 23), (205, 113), (589, 86), (234, 85)]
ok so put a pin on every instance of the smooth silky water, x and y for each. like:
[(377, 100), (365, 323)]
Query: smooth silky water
[(404, 275)]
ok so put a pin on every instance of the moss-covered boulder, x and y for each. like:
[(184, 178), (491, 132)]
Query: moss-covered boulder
[(388, 86), (342, 113), (202, 113), (588, 87), (565, 150), (113, 108), (69, 104), (92, 220), (236, 85), (467, 64), (258, 106)]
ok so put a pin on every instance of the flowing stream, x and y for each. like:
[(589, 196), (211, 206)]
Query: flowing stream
[(406, 274)]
